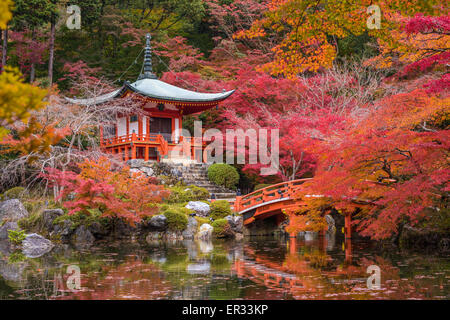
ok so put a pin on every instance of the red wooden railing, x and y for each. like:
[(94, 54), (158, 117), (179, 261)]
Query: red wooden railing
[(128, 138), (274, 192)]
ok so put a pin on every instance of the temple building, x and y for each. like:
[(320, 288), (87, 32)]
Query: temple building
[(156, 135)]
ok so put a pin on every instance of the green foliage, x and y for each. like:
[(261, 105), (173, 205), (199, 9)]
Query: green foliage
[(15, 193), (176, 220), (180, 193), (16, 236), (16, 257), (33, 206), (84, 219), (220, 209), (261, 186), (224, 175), (221, 228), (32, 222)]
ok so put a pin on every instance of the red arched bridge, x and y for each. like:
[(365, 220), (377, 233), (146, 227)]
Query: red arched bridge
[(269, 201)]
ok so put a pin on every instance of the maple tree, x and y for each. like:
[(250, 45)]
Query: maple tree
[(99, 189), (392, 169), (305, 33)]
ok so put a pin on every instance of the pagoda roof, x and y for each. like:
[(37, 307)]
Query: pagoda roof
[(149, 86), (158, 90)]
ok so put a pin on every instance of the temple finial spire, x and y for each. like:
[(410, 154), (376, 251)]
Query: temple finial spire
[(148, 69)]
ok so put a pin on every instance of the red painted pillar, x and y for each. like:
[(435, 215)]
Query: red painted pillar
[(126, 153), (133, 146), (146, 153), (292, 244)]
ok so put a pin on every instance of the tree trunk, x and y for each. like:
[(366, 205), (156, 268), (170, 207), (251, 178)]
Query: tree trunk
[(4, 48), (52, 51), (33, 65)]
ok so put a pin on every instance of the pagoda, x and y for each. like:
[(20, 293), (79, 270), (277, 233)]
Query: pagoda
[(155, 134)]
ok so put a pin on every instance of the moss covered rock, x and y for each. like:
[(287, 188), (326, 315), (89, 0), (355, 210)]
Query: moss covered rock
[(220, 209), (176, 220), (222, 229)]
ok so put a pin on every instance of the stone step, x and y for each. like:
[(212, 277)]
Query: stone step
[(223, 196)]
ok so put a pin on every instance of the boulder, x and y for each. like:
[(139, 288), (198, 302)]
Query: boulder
[(12, 210), (83, 237), (191, 228), (5, 227), (158, 222), (99, 230), (36, 245), (48, 216), (236, 223), (62, 230), (123, 230), (148, 171), (135, 163), (205, 232), (201, 209)]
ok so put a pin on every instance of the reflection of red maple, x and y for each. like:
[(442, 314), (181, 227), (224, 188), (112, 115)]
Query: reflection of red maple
[(130, 280), (296, 277)]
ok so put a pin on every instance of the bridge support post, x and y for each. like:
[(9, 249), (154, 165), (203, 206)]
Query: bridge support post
[(348, 238), (348, 226)]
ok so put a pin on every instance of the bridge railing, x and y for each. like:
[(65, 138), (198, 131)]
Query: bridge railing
[(267, 194)]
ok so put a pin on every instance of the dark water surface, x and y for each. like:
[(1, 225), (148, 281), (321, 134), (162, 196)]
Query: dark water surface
[(263, 268)]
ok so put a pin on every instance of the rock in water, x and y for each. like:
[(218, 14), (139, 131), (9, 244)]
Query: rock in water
[(4, 229), (12, 210), (158, 222), (201, 209), (205, 232), (83, 237), (236, 223), (191, 228), (36, 245), (63, 230)]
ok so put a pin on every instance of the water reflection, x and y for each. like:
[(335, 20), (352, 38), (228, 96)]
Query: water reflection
[(276, 268)]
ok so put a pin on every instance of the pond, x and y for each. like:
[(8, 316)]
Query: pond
[(257, 268)]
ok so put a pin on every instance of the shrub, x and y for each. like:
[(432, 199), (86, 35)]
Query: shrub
[(16, 236), (180, 194), (224, 175), (222, 229), (176, 220), (220, 209), (15, 193)]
